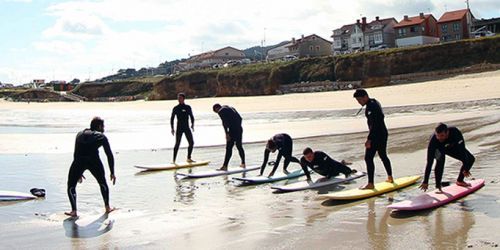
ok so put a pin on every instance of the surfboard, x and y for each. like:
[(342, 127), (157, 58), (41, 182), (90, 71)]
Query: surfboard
[(380, 188), (172, 166), (15, 196), (265, 179), (435, 198), (317, 183), (215, 172)]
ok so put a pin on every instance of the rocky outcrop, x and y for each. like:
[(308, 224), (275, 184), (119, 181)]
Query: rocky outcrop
[(39, 95), (126, 90)]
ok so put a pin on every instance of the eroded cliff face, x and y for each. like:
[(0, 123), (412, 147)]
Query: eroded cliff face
[(93, 91), (375, 68)]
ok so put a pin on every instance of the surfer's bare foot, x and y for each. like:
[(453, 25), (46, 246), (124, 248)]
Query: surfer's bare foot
[(439, 191), (190, 161), (367, 186), (110, 209), (346, 162), (389, 179), (243, 165), (462, 184), (72, 214), (223, 168)]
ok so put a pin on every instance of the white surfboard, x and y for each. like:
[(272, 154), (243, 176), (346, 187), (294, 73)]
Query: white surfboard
[(317, 183), (15, 196), (171, 166), (265, 179), (215, 172)]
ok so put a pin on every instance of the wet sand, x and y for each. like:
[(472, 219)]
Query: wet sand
[(159, 211)]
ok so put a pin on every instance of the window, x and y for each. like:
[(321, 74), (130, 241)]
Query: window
[(423, 28), (353, 40), (317, 48), (378, 37), (413, 29), (359, 39), (402, 32), (444, 28), (456, 27), (227, 54), (311, 48), (457, 37)]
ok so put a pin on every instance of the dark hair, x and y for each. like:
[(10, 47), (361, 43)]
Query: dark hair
[(307, 150), (271, 144), (96, 122), (181, 94), (216, 107), (441, 127), (360, 93)]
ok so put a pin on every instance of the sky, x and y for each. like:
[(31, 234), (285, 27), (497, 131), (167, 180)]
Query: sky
[(63, 40)]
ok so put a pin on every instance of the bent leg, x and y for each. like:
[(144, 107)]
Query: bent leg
[(382, 153), (229, 152), (467, 160), (75, 172), (97, 171), (189, 137)]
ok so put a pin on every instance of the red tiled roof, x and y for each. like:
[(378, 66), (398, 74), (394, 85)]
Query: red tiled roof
[(414, 20), (453, 16)]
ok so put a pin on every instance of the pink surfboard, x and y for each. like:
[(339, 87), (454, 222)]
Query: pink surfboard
[(435, 198)]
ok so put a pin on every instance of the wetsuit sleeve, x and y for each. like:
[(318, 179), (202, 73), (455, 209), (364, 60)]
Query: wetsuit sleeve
[(304, 164), (266, 158), (431, 151), (172, 118), (376, 119), (191, 116), (109, 155), (76, 147)]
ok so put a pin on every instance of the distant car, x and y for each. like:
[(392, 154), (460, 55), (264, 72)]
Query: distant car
[(482, 33), (379, 47), (288, 58), (231, 63)]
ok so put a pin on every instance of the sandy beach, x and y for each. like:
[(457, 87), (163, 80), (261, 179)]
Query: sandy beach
[(158, 211)]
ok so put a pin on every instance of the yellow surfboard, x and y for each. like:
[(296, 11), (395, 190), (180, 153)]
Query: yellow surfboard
[(171, 166), (380, 188)]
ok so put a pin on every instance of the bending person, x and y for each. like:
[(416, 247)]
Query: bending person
[(284, 144), (231, 121), (86, 157), (323, 164), (447, 141), (183, 113)]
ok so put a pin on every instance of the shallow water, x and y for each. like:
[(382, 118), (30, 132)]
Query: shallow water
[(159, 211)]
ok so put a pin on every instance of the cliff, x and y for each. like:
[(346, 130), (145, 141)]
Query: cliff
[(367, 69)]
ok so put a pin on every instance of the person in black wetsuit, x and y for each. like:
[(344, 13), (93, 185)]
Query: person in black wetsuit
[(283, 143), (323, 164), (86, 157), (447, 141), (231, 121), (183, 113), (377, 137)]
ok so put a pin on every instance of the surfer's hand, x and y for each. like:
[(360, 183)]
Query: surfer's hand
[(192, 127), (113, 178), (424, 186), (173, 131), (368, 144), (466, 173)]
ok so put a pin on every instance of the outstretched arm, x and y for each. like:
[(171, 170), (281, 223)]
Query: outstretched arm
[(303, 164), (111, 159), (264, 163), (192, 117)]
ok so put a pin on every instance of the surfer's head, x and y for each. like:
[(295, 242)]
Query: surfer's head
[(271, 145), (442, 132), (308, 154), (216, 107), (181, 97), (361, 96), (97, 124)]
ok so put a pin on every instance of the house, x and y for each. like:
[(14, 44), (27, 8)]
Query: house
[(455, 25), (208, 59), (279, 52), (364, 36), (417, 30), (310, 46), (380, 33)]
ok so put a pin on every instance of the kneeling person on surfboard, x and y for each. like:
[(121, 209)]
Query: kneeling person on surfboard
[(284, 144), (183, 113), (377, 137), (323, 164), (447, 141), (86, 156), (231, 121)]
